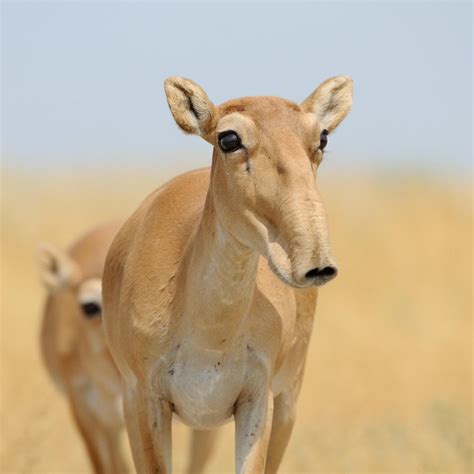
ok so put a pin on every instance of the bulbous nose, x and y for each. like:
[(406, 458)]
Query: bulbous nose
[(321, 275)]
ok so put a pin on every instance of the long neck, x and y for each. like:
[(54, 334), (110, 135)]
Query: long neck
[(220, 277)]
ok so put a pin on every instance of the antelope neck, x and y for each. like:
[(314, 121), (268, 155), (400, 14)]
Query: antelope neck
[(220, 275)]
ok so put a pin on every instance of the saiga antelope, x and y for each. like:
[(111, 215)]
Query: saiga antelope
[(75, 352), (210, 287), (73, 344)]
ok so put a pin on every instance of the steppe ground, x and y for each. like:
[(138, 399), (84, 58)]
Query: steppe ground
[(389, 374)]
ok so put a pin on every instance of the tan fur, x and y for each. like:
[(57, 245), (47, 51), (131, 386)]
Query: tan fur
[(74, 348), (208, 303)]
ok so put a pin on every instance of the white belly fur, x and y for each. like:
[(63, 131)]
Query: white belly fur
[(204, 388)]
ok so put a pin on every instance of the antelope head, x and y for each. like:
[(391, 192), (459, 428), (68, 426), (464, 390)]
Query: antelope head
[(266, 155), (65, 282)]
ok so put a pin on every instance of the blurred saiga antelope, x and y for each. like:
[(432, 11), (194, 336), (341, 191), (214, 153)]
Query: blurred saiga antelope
[(210, 288), (74, 347)]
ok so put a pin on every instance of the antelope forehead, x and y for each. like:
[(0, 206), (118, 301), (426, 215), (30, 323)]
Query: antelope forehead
[(235, 121), (274, 129), (263, 110)]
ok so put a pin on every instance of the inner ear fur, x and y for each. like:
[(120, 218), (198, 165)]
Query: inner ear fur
[(330, 102), (57, 269), (190, 105)]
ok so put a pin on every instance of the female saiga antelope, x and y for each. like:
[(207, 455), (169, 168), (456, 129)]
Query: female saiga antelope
[(73, 344), (210, 287)]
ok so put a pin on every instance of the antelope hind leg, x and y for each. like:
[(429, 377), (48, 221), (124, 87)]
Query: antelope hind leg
[(284, 414)]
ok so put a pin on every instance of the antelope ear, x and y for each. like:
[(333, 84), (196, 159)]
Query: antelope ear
[(190, 106), (57, 268), (330, 102)]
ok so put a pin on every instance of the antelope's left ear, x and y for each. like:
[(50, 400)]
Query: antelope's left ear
[(190, 105), (57, 269), (330, 102)]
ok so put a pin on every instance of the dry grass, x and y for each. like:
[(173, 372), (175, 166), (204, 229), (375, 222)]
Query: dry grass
[(388, 382)]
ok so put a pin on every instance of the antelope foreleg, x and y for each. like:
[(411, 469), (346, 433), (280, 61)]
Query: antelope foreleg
[(148, 420), (253, 423)]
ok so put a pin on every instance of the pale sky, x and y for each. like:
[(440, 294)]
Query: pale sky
[(83, 81)]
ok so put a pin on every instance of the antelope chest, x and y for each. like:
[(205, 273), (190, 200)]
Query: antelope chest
[(203, 385)]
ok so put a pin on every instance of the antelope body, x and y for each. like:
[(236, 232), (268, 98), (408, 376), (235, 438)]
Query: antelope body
[(210, 287), (74, 348)]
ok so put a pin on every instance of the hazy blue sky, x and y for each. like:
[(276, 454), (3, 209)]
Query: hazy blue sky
[(82, 81)]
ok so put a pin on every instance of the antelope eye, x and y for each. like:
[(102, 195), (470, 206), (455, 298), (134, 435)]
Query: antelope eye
[(229, 141), (323, 140), (91, 310)]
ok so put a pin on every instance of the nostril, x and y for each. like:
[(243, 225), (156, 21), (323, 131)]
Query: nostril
[(326, 272)]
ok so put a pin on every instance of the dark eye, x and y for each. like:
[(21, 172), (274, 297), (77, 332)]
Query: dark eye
[(229, 141), (323, 140), (91, 310)]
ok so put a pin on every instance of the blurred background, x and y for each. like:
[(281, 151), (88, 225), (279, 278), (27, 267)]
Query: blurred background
[(86, 135)]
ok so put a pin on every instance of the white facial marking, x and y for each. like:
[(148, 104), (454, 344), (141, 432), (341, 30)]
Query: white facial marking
[(90, 291)]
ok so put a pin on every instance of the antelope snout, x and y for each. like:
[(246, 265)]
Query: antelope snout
[(320, 275)]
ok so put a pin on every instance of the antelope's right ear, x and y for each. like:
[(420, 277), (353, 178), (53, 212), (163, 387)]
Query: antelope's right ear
[(57, 268), (190, 106)]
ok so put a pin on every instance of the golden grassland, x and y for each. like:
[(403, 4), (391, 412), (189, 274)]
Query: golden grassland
[(388, 379)]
